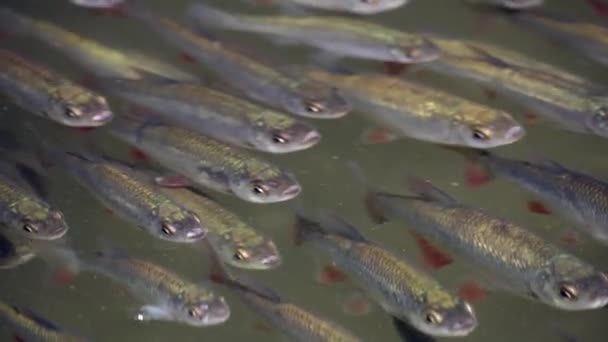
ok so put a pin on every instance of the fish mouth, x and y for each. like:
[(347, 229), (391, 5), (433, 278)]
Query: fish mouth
[(291, 191), (102, 117), (515, 133), (311, 138), (218, 313), (196, 234)]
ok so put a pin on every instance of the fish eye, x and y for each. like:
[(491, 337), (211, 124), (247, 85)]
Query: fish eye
[(568, 292), (314, 107), (259, 189), (480, 134), (73, 112), (30, 227), (279, 139), (241, 254), (433, 317), (168, 228), (195, 312)]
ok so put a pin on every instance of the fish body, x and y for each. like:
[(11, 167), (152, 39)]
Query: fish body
[(32, 328), (97, 3), (589, 38), (24, 213), (578, 196), (235, 242), (350, 6), (526, 264), (337, 35), (572, 102), (41, 91), (211, 164), (257, 80), (14, 251), (132, 196), (219, 115), (167, 296), (417, 111), (95, 57), (293, 320), (511, 4), (401, 289)]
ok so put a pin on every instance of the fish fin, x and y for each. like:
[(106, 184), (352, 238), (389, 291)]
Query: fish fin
[(152, 313), (330, 274), (476, 172), (551, 164), (395, 68), (202, 14), (63, 262), (378, 135), (173, 181), (599, 7), (428, 191), (370, 200), (537, 207), (495, 61), (570, 239), (332, 223), (12, 22), (432, 256), (407, 332), (356, 304), (304, 227), (472, 291), (220, 274)]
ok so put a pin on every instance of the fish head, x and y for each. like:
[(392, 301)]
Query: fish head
[(450, 321), (597, 122), (570, 284), (414, 50), (373, 6), (174, 223), (497, 130), (316, 100), (251, 252), (279, 187), (34, 220), (296, 137), (204, 310), (76, 107)]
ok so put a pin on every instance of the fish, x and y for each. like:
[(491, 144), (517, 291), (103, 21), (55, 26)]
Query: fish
[(218, 115), (401, 289), (209, 163), (167, 296), (417, 111), (347, 6), (576, 195), (259, 81), (234, 241), (128, 192), (574, 103), (588, 38), (290, 319), (340, 36), (525, 264), (41, 91), (14, 251), (95, 58), (23, 212), (31, 327)]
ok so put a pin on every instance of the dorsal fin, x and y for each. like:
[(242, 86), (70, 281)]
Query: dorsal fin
[(427, 191)]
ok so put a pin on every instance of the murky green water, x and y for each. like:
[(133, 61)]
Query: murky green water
[(101, 309)]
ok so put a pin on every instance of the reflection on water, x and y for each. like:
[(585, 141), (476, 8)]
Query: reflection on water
[(96, 307)]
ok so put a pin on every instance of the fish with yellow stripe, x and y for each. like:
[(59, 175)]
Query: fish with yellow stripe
[(401, 289)]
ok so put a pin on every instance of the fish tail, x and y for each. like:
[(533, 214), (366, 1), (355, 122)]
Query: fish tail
[(207, 16), (12, 22), (370, 200)]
